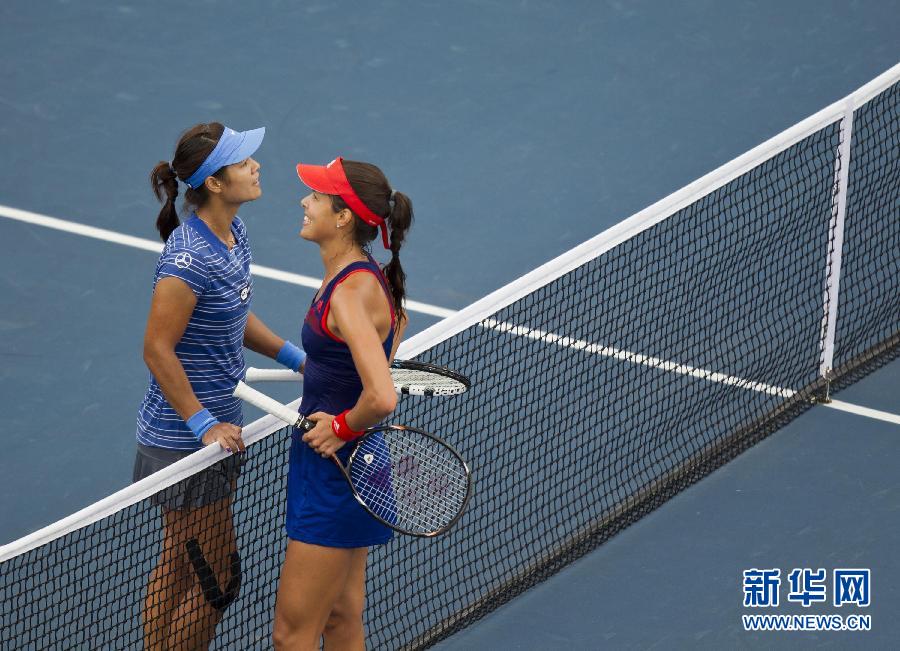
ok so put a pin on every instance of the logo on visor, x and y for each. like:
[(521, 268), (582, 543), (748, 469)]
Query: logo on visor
[(332, 163), (183, 260)]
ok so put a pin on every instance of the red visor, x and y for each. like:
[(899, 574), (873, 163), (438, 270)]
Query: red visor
[(331, 179)]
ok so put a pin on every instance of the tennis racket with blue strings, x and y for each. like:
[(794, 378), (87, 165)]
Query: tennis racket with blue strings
[(412, 481)]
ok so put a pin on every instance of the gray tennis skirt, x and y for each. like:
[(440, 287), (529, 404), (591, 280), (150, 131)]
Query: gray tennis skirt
[(205, 487)]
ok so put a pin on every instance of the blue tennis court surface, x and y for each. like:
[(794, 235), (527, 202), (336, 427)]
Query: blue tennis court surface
[(519, 130)]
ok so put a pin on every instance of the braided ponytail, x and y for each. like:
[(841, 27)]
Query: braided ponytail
[(399, 221), (373, 188)]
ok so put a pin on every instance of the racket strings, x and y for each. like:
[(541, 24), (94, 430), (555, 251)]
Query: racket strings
[(421, 496), (409, 480), (426, 382)]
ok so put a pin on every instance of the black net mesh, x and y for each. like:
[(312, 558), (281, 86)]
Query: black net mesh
[(595, 399), (571, 439), (89, 589)]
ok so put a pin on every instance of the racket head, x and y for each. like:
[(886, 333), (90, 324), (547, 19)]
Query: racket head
[(410, 480), (423, 379)]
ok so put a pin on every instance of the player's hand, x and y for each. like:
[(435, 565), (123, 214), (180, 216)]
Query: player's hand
[(227, 435), (322, 438)]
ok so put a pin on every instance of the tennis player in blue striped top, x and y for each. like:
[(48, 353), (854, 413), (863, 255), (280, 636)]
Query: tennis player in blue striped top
[(199, 323)]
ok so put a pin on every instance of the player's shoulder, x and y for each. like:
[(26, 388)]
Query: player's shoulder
[(184, 238), (239, 227), (184, 255), (357, 292), (360, 280)]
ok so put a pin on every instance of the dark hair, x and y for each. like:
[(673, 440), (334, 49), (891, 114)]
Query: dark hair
[(373, 188), (194, 146)]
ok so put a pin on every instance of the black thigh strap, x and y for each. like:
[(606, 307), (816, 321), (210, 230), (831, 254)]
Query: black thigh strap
[(214, 595)]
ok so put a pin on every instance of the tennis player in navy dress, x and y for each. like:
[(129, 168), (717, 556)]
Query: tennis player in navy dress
[(350, 334), (199, 323)]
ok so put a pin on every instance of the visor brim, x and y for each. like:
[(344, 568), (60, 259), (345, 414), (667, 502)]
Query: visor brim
[(318, 178), (251, 140)]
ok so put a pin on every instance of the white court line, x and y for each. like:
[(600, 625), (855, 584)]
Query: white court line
[(680, 369), (637, 358), (151, 245), (863, 411), (424, 308)]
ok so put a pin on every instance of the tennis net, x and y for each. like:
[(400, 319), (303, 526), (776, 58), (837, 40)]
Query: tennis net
[(604, 383)]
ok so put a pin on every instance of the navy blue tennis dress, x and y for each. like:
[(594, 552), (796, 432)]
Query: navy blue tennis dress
[(321, 509)]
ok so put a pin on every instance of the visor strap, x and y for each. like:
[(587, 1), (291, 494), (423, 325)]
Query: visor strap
[(357, 206), (227, 145)]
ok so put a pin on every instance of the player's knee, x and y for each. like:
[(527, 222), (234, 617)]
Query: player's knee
[(287, 636), (346, 614), (281, 635), (297, 625)]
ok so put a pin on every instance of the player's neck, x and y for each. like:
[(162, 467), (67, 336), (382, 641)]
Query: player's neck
[(338, 254), (218, 216)]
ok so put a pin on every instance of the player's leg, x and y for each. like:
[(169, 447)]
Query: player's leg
[(208, 548), (170, 577), (344, 627), (312, 579), (169, 581)]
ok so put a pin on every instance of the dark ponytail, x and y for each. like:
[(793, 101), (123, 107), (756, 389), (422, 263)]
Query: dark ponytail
[(399, 220), (165, 186), (373, 188), (194, 146)]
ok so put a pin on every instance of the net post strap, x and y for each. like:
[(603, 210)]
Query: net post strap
[(835, 252)]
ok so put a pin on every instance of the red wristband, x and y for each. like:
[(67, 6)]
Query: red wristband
[(342, 430)]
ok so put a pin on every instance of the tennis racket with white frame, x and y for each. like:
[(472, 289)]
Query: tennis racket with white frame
[(410, 378), (412, 481)]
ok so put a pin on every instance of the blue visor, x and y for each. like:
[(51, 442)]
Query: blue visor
[(233, 147)]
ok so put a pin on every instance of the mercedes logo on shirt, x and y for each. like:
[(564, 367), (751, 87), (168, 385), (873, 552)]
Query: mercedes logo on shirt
[(183, 260)]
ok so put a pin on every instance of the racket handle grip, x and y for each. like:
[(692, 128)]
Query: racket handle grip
[(272, 406), (271, 375)]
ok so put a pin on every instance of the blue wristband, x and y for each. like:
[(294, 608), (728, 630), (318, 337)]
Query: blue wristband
[(291, 356), (200, 423)]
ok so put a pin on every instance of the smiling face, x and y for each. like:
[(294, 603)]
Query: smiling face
[(320, 220), (240, 182)]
